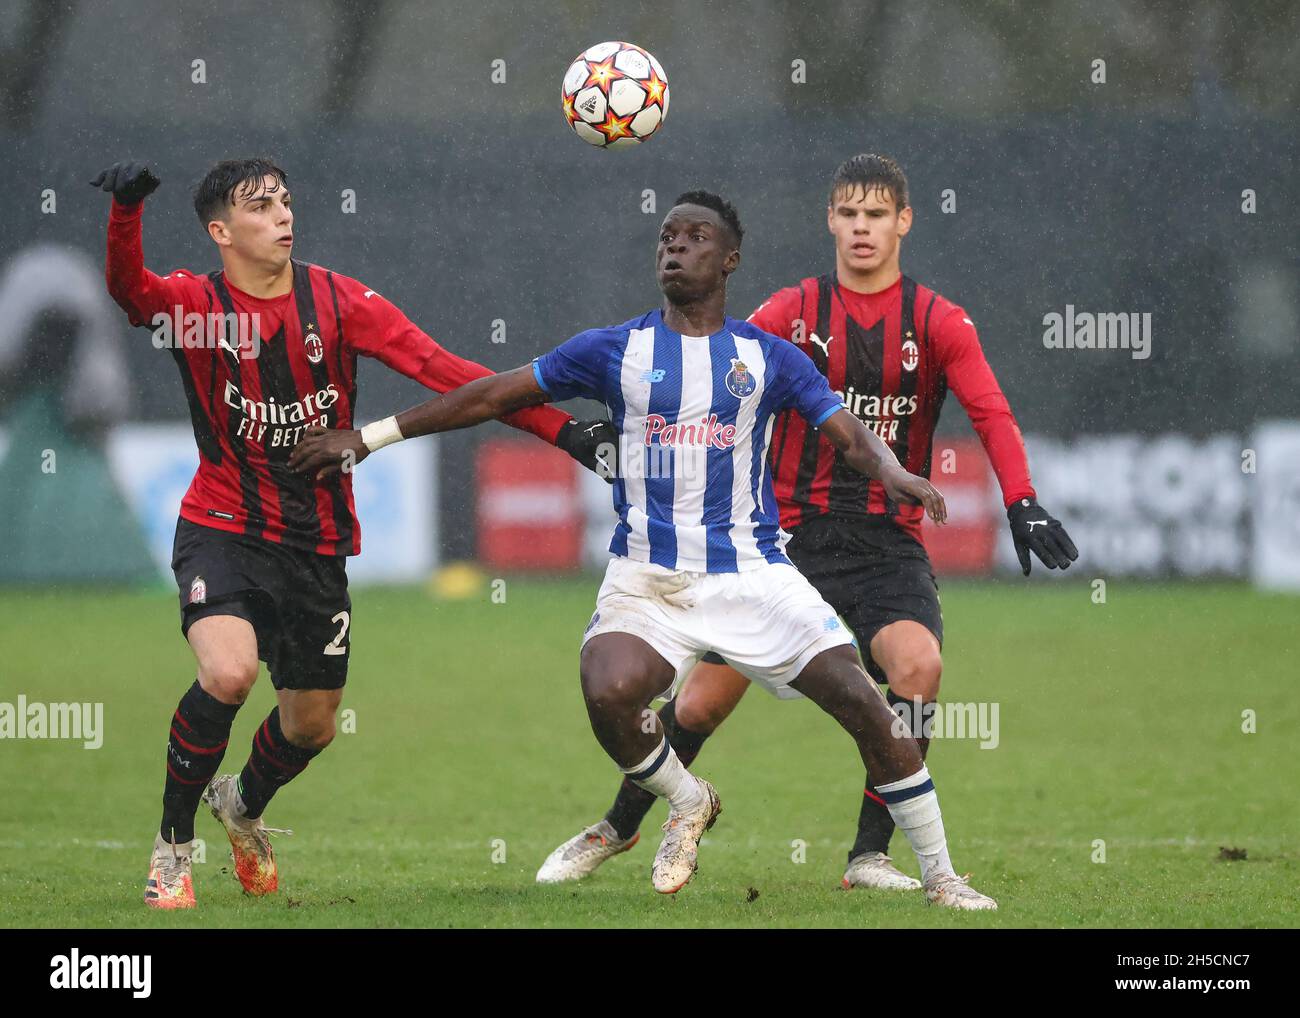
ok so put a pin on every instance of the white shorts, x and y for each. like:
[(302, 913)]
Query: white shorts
[(767, 622)]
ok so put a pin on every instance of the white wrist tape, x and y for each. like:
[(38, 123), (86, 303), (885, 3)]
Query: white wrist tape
[(381, 433)]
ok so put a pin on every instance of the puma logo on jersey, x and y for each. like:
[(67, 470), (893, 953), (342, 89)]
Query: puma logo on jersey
[(368, 293), (1037, 523), (824, 344)]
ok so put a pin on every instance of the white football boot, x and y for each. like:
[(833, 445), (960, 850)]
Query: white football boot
[(675, 862), (877, 870), (581, 855), (250, 842), (953, 891), (170, 883)]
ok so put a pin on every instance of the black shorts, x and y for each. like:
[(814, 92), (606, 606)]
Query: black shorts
[(296, 601), (871, 572)]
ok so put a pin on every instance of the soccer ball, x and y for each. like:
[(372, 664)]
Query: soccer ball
[(615, 95)]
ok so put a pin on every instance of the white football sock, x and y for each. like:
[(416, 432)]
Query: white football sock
[(914, 806), (664, 775)]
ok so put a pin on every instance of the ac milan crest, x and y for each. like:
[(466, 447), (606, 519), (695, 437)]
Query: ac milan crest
[(315, 348)]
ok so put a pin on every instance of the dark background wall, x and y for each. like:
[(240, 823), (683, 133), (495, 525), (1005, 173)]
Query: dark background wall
[(475, 203)]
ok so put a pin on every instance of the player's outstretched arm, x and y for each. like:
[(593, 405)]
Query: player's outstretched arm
[(866, 453), (378, 328), (139, 292), (323, 451), (585, 441), (971, 378)]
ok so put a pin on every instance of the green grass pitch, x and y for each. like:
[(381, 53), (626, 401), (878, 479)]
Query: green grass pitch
[(472, 758)]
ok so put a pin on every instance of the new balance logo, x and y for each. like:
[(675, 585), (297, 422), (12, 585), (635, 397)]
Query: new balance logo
[(653, 375)]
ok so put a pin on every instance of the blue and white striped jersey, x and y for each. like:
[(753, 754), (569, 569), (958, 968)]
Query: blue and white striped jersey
[(695, 415)]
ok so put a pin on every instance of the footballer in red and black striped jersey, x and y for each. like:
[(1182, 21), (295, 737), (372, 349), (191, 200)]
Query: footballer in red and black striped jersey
[(266, 347), (892, 355), (291, 364)]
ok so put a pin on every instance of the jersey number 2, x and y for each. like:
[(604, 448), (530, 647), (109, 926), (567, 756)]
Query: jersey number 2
[(335, 646)]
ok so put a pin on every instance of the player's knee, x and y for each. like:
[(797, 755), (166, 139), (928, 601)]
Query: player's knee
[(607, 689), (919, 676), (228, 680), (313, 733), (701, 709), (610, 685)]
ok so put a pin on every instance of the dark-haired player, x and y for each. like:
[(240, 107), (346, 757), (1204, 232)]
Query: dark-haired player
[(260, 551), (699, 563), (892, 349)]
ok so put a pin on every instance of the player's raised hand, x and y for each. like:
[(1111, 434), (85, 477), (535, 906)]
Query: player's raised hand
[(322, 452), (902, 486), (1033, 527), (594, 444), (129, 183)]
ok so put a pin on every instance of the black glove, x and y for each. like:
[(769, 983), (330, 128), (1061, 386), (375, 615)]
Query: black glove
[(1033, 527), (594, 444), (129, 183)]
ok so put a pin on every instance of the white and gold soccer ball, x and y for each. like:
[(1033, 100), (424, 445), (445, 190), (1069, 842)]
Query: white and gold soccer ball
[(615, 95)]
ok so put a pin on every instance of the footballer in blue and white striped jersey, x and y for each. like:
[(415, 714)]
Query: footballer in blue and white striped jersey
[(695, 417), (693, 413)]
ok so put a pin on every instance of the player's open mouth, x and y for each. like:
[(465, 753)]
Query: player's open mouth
[(866, 250), (672, 267)]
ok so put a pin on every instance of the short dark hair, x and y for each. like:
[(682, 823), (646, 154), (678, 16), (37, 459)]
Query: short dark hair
[(720, 205), (217, 189), (871, 172)]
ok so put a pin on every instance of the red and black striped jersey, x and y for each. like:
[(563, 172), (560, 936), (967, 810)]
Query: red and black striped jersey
[(891, 356), (257, 372)]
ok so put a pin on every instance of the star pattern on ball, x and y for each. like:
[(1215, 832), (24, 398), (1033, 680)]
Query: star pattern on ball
[(654, 89), (569, 113), (602, 74), (614, 127)]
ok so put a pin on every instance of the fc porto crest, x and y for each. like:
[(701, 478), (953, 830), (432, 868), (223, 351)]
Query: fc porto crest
[(740, 383), (315, 347)]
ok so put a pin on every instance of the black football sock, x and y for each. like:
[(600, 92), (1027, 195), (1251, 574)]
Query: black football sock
[(199, 733), (273, 763), (633, 802), (875, 825)]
